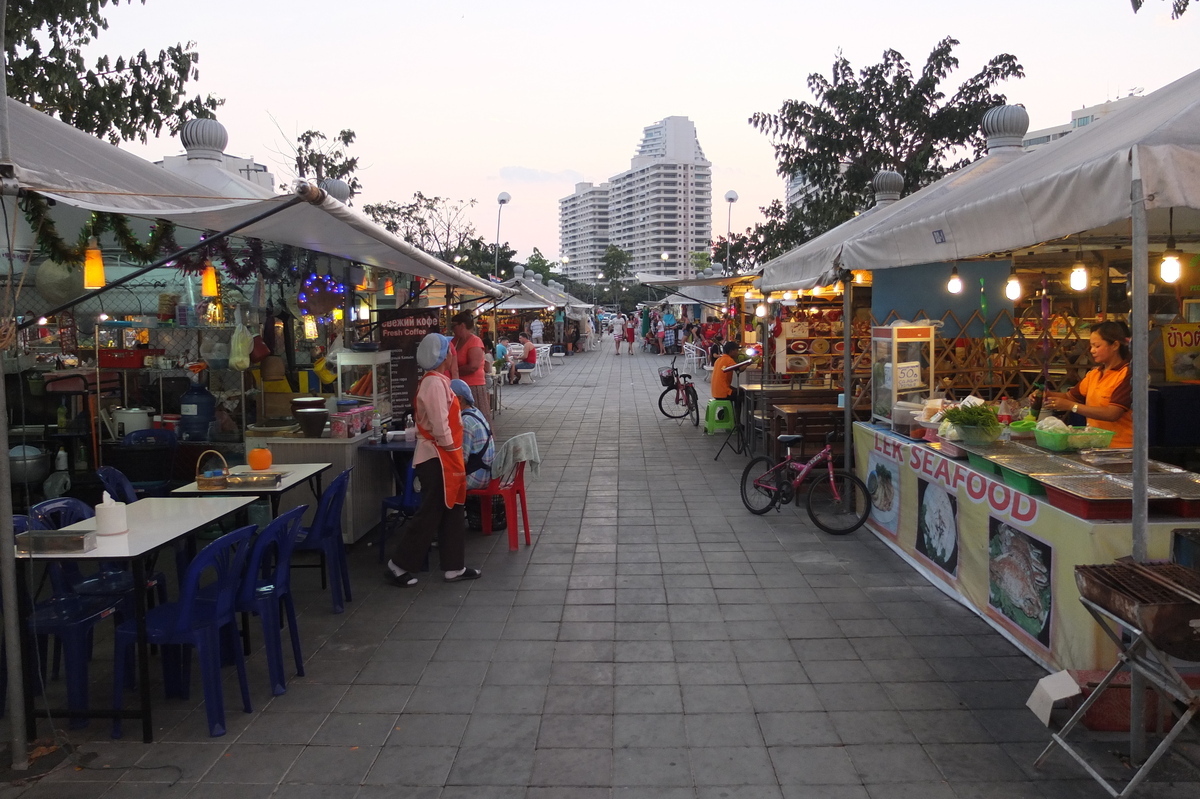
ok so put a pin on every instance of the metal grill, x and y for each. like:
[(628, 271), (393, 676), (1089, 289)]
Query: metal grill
[(1040, 463), (1136, 586), (1098, 486)]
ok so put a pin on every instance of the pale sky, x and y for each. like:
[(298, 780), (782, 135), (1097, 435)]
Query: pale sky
[(466, 98)]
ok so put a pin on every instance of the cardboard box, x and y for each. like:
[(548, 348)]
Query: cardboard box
[(1049, 690)]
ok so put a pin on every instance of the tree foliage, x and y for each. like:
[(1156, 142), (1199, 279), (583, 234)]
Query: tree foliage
[(1177, 7), (120, 99), (317, 156), (883, 117), (615, 265), (437, 225), (540, 263)]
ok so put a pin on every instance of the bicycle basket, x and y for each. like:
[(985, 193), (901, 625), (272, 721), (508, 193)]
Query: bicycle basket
[(666, 376)]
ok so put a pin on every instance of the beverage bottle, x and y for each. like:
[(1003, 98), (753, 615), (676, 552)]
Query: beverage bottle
[(1004, 413), (1036, 399), (60, 460), (376, 427), (62, 415)]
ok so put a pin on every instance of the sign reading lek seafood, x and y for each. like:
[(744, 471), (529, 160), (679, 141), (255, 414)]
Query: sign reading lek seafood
[(951, 475)]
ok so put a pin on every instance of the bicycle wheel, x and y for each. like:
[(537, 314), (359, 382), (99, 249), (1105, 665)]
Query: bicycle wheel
[(838, 503), (673, 403), (760, 487), (693, 403)]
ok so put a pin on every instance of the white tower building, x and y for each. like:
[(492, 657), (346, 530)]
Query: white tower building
[(583, 231), (662, 204)]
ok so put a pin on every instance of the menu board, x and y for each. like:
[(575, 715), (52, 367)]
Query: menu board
[(401, 330), (1181, 352)]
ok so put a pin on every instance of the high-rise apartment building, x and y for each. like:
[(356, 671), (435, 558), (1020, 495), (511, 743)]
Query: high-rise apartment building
[(662, 205), (583, 230)]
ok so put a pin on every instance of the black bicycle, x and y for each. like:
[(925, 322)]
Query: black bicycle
[(679, 395), (838, 501)]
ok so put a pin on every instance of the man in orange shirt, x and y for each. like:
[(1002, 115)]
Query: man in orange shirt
[(722, 381)]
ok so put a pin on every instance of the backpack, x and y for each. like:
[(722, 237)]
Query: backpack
[(474, 460)]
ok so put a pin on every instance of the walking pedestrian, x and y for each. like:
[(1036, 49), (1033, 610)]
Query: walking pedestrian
[(470, 355), (618, 330)]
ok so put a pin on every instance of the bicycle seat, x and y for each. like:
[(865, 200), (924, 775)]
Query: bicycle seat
[(787, 440), (686, 377)]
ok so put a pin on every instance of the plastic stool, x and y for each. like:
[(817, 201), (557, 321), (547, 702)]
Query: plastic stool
[(712, 422)]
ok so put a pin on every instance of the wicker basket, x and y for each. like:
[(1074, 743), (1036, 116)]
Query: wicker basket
[(217, 483), (666, 376)]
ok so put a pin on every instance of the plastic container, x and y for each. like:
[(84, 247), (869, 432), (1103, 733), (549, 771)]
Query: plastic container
[(339, 425), (977, 436), (1077, 438), (982, 464), (1024, 483)]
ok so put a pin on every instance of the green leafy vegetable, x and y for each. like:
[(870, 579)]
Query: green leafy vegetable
[(980, 416)]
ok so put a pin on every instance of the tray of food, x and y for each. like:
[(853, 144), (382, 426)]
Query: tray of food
[(1183, 486), (1041, 464), (1098, 487)]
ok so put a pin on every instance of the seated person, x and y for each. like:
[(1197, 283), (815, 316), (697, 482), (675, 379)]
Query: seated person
[(527, 362), (722, 381), (715, 348), (478, 447)]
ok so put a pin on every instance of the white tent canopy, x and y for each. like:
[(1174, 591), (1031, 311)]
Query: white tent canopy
[(74, 168), (817, 261), (1077, 185)]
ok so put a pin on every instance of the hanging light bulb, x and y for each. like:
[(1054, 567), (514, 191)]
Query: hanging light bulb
[(788, 296), (749, 295), (817, 291), (1080, 279), (93, 266), (103, 317), (208, 282), (954, 284), (1012, 289), (1170, 268), (760, 310)]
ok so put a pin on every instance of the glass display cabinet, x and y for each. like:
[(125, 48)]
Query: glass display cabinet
[(902, 359)]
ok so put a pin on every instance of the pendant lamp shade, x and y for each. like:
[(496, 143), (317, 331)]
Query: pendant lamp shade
[(93, 266), (208, 282)]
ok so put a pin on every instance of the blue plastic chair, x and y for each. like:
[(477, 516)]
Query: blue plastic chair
[(120, 489), (404, 504), (70, 618), (265, 586), (149, 456), (199, 620), (113, 579), (325, 538), (117, 484)]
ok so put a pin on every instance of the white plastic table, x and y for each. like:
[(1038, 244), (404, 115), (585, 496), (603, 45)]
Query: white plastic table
[(294, 475), (153, 522)]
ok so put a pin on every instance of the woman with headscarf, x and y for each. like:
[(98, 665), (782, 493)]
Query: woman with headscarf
[(439, 465)]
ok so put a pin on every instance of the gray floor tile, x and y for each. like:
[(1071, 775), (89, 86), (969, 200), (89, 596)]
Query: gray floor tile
[(889, 763), (344, 765), (572, 767), (732, 765), (487, 730), (412, 765), (638, 730), (651, 767), (722, 729), (575, 732), (813, 765), (421, 729)]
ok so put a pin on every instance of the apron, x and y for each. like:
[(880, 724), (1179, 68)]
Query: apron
[(454, 476)]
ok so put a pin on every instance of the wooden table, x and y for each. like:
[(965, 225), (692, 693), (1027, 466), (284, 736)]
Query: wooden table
[(153, 522), (756, 394), (293, 475), (785, 418)]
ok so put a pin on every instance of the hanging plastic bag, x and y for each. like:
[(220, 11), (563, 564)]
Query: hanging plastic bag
[(240, 345)]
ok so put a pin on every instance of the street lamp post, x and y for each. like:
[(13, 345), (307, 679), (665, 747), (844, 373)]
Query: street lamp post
[(666, 256), (502, 199), (730, 197)]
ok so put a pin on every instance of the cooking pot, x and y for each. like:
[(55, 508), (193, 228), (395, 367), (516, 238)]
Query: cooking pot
[(28, 464), (129, 419)]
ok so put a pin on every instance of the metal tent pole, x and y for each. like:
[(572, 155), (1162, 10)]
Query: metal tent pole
[(1140, 378)]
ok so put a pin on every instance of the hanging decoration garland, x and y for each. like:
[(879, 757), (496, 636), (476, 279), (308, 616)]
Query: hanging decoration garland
[(37, 213), (320, 294)]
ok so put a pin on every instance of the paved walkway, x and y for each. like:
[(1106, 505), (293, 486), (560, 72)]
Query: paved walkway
[(656, 641)]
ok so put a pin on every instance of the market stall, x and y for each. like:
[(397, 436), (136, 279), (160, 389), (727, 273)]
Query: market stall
[(1007, 553)]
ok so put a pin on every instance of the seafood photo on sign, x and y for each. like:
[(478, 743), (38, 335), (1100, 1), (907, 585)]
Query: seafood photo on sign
[(937, 526), (1019, 567), (883, 484)]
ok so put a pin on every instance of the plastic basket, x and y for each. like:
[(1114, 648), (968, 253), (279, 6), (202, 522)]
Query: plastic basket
[(977, 436), (212, 482), (1074, 439), (666, 376)]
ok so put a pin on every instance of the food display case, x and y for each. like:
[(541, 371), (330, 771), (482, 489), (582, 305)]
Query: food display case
[(366, 376), (902, 367)]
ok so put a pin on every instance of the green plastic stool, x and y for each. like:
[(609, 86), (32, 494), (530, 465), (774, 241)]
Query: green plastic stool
[(711, 423)]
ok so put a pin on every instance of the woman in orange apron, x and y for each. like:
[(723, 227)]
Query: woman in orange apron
[(1105, 395), (438, 462)]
